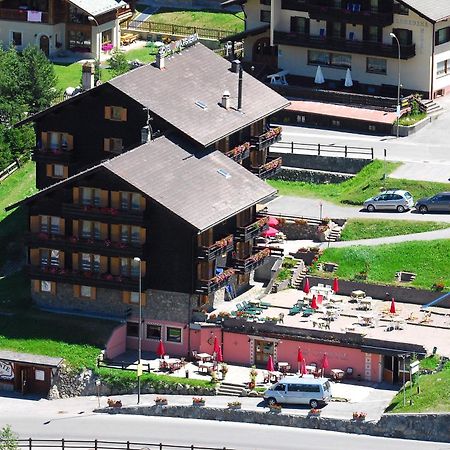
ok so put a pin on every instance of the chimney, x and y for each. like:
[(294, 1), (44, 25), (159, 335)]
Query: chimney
[(160, 61), (240, 88), (87, 77), (235, 65), (226, 99)]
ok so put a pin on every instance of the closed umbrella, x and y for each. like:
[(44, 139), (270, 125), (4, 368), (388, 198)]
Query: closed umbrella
[(216, 346), (319, 79), (392, 309), (299, 358), (306, 287), (314, 304), (273, 222), (270, 367), (303, 370), (219, 355), (336, 286), (325, 363), (160, 351), (348, 79), (270, 232)]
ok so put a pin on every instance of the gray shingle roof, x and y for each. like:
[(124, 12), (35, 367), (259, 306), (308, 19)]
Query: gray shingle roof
[(96, 7), (434, 10), (41, 360), (197, 74), (188, 185)]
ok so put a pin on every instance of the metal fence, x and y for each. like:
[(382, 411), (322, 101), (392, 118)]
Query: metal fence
[(63, 444), (345, 151), (175, 30)]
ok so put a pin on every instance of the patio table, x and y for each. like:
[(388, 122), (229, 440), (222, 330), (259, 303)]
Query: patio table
[(206, 367), (204, 357), (284, 367)]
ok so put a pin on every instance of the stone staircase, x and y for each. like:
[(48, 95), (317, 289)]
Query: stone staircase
[(298, 282), (231, 389), (335, 234), (431, 107)]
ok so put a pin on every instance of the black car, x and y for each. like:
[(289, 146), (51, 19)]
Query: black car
[(437, 203)]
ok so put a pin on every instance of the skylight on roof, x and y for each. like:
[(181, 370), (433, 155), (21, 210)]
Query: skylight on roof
[(224, 173), (201, 104)]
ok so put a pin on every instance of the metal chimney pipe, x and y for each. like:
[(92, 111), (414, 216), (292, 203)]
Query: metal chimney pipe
[(240, 88)]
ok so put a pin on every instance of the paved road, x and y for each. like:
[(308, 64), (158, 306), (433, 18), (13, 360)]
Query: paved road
[(310, 207)]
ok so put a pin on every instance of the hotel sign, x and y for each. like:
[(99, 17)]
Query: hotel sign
[(177, 46), (6, 370)]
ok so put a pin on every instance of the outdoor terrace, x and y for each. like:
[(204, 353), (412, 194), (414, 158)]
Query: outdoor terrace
[(252, 262), (270, 168), (239, 152)]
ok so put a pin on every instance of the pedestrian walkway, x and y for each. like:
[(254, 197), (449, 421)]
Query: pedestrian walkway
[(423, 171), (147, 13)]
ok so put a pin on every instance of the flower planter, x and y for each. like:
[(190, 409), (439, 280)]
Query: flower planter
[(275, 410), (235, 407), (198, 404), (161, 403)]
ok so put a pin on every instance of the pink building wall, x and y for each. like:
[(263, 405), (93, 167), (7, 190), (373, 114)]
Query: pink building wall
[(117, 342)]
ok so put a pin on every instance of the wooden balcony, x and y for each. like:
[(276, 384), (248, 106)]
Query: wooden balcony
[(266, 139), (344, 45), (20, 15), (80, 245), (219, 247), (270, 168), (53, 156), (294, 5), (239, 152), (102, 214), (252, 231), (106, 280), (246, 265), (214, 284)]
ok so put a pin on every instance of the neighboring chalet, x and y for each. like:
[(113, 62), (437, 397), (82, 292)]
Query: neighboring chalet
[(54, 26), (299, 35), (154, 173)]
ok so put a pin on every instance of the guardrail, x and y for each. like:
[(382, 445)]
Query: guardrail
[(319, 149), (95, 444)]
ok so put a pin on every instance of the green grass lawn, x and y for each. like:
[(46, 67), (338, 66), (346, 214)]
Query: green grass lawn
[(365, 184), (429, 260), (434, 394), (411, 119), (373, 228)]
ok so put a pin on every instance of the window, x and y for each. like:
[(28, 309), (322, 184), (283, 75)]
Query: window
[(90, 196), (336, 30), (318, 58), (376, 65), (113, 145), (336, 123), (90, 263), (49, 257), (299, 25), (129, 268), (130, 200), (116, 113), (132, 329), (264, 16), (57, 141), (86, 291), (442, 36), (130, 234), (79, 41), (154, 332), (403, 35), (39, 375), (54, 225), (280, 387), (16, 38), (134, 297), (373, 33), (46, 286), (336, 60), (173, 334), (58, 170), (90, 230)]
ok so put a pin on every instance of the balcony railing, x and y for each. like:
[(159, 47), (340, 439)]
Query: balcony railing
[(105, 214), (239, 152), (344, 45), (219, 247), (252, 262), (213, 284), (244, 234), (266, 139), (268, 169), (83, 278), (20, 15), (41, 154), (75, 244)]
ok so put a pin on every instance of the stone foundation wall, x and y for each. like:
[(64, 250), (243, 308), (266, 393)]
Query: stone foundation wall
[(310, 176)]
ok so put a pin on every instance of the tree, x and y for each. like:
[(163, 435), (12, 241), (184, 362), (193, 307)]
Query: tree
[(118, 63), (8, 439)]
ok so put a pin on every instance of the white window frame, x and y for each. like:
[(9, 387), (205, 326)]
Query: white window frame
[(166, 331)]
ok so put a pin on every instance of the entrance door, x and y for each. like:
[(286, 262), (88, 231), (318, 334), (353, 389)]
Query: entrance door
[(264, 53), (44, 44), (263, 350)]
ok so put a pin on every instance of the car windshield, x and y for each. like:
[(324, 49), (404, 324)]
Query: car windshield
[(408, 195)]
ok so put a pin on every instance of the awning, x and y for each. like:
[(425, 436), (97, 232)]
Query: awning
[(246, 33)]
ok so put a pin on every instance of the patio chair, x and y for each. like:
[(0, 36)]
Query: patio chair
[(294, 310), (239, 307), (265, 304)]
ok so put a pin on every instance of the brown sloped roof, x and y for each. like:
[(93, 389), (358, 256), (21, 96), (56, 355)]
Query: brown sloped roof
[(196, 75)]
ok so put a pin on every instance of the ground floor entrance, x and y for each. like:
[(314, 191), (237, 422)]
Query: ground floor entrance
[(263, 349)]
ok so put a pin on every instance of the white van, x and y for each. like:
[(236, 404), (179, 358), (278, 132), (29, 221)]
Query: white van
[(314, 392)]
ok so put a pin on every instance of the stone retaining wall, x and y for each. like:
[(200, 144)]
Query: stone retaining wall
[(426, 427), (310, 176)]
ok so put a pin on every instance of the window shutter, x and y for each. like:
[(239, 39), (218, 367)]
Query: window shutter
[(76, 195), (35, 224), (69, 142), (126, 297), (103, 198), (115, 199), (143, 268), (115, 266), (123, 114), (143, 203), (34, 256), (103, 231), (75, 227), (143, 235), (106, 144), (44, 139), (143, 299), (115, 233), (103, 264), (36, 285), (108, 112), (49, 170), (53, 287), (62, 259), (75, 258), (62, 226), (65, 172), (93, 293), (76, 290)]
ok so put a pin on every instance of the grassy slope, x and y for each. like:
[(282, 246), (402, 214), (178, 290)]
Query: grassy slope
[(429, 260), (364, 185), (372, 228)]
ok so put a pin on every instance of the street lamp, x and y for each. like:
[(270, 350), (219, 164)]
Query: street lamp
[(97, 383), (139, 368), (398, 87), (93, 19)]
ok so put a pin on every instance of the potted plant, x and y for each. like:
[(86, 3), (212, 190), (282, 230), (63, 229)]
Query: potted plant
[(198, 401), (114, 403), (314, 412), (275, 408), (224, 370), (359, 416), (161, 401), (253, 375), (234, 405)]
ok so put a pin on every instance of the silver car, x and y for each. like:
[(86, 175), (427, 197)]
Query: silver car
[(396, 200)]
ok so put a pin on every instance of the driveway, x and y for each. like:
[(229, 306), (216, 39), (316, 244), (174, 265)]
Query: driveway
[(310, 207)]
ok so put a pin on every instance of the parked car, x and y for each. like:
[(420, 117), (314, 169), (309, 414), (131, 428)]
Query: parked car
[(314, 392), (439, 202), (396, 199)]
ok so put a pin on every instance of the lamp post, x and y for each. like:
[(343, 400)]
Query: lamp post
[(93, 19), (139, 368), (97, 383), (399, 81)]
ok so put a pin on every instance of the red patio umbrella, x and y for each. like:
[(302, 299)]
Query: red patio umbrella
[(270, 367), (270, 232), (160, 351), (303, 370), (319, 299), (325, 363), (216, 346), (314, 303), (273, 222), (299, 358), (306, 287), (392, 309), (336, 286), (219, 355)]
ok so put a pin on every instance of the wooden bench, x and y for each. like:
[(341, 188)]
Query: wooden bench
[(128, 38)]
